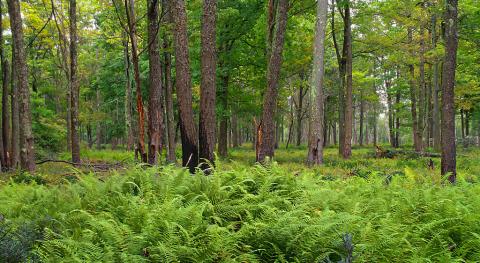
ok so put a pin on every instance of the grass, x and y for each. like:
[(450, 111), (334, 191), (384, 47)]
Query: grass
[(371, 210)]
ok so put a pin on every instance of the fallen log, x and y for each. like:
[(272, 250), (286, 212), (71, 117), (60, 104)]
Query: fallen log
[(390, 154)]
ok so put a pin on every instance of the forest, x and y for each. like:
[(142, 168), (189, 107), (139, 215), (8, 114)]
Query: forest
[(240, 131)]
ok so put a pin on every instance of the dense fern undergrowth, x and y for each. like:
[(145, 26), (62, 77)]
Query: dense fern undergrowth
[(368, 210)]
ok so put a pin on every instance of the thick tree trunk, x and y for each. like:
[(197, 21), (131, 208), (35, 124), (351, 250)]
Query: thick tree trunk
[(184, 88), (155, 117), (6, 134), (448, 91), (208, 84), (267, 146), (131, 18), (170, 116), (74, 87), (27, 154), (317, 116)]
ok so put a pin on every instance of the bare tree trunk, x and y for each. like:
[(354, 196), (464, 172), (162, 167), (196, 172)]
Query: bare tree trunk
[(128, 97), (131, 18), (184, 88), (397, 119), (208, 84), (171, 156), (448, 91), (15, 94), (317, 115), (27, 154), (74, 87), (417, 142), (155, 119), (267, 146), (99, 124), (223, 129), (7, 151), (235, 131), (347, 149), (436, 91), (421, 90), (362, 116), (301, 96)]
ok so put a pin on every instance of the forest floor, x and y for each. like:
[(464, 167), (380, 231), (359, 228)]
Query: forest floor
[(368, 209)]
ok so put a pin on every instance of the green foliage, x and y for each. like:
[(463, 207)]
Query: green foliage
[(382, 210)]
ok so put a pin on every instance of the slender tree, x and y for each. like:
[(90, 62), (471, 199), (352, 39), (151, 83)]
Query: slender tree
[(27, 155), (316, 138), (184, 87), (208, 84), (155, 120), (5, 97), (448, 91), (267, 145), (74, 87), (132, 31)]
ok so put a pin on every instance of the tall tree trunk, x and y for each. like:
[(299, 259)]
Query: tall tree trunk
[(421, 90), (208, 84), (417, 142), (267, 146), (436, 92), (235, 131), (27, 155), (98, 135), (15, 95), (317, 115), (448, 91), (397, 119), (74, 87), (347, 148), (131, 18), (170, 117), (128, 96), (184, 88), (300, 113), (155, 118), (7, 152)]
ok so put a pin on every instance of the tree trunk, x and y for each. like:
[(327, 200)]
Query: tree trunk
[(448, 91), (128, 96), (74, 87), (155, 117), (362, 116), (300, 114), (397, 119), (347, 149), (184, 88), (99, 124), (267, 146), (417, 142), (208, 84), (27, 155), (317, 116), (7, 151), (235, 131), (436, 92), (132, 26), (15, 94), (170, 116), (421, 90), (223, 129)]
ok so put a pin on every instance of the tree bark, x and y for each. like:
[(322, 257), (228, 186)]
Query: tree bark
[(6, 134), (15, 94), (421, 90), (128, 96), (170, 117), (316, 134), (155, 118), (27, 154), (417, 142), (74, 87), (436, 92), (267, 146), (208, 84), (448, 91), (362, 117), (184, 88), (131, 18), (223, 129), (347, 149)]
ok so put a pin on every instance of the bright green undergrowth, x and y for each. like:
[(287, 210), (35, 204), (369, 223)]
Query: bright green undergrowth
[(386, 210)]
